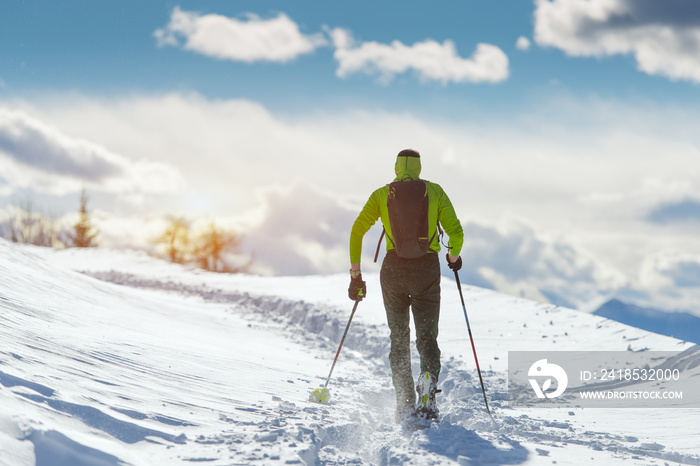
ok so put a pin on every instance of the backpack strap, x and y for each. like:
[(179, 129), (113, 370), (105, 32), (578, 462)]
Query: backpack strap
[(376, 254), (441, 235)]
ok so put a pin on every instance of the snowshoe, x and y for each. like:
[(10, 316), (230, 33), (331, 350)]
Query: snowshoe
[(408, 418), (427, 389), (416, 422)]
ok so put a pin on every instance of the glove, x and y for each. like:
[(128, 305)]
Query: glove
[(456, 265), (357, 289)]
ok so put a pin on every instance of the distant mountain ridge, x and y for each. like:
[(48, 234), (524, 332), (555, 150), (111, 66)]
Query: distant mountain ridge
[(681, 325)]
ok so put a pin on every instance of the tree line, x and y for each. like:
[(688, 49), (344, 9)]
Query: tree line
[(214, 249), (27, 226)]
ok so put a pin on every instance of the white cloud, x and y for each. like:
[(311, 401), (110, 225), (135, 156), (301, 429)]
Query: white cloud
[(34, 154), (671, 268), (672, 279), (279, 39), (664, 37), (523, 43), (429, 59), (252, 39), (301, 230), (516, 258)]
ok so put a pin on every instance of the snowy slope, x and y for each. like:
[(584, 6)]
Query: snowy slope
[(117, 358)]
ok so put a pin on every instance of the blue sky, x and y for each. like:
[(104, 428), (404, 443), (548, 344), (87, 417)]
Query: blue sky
[(110, 49), (562, 130)]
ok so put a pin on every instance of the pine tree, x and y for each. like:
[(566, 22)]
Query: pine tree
[(83, 235)]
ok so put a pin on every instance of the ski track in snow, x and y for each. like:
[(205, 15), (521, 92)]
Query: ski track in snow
[(115, 398)]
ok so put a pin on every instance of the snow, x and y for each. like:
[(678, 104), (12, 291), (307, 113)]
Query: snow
[(111, 357)]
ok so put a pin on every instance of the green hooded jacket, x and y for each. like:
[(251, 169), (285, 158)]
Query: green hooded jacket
[(439, 209)]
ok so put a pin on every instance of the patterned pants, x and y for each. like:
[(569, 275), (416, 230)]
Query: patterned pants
[(411, 284)]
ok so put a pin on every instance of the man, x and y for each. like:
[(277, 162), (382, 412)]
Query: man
[(409, 283)]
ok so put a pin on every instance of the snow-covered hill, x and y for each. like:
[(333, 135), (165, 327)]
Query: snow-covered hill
[(113, 358)]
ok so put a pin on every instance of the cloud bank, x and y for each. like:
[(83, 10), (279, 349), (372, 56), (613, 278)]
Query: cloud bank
[(316, 169), (34, 154), (663, 37), (514, 257), (248, 40), (543, 166), (429, 59), (301, 230)]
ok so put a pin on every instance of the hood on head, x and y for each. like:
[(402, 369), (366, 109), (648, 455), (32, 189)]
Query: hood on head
[(407, 165)]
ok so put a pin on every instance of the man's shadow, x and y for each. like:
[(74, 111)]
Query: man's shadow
[(453, 441)]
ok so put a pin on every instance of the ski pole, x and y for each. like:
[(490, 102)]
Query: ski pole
[(464, 308), (342, 340)]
